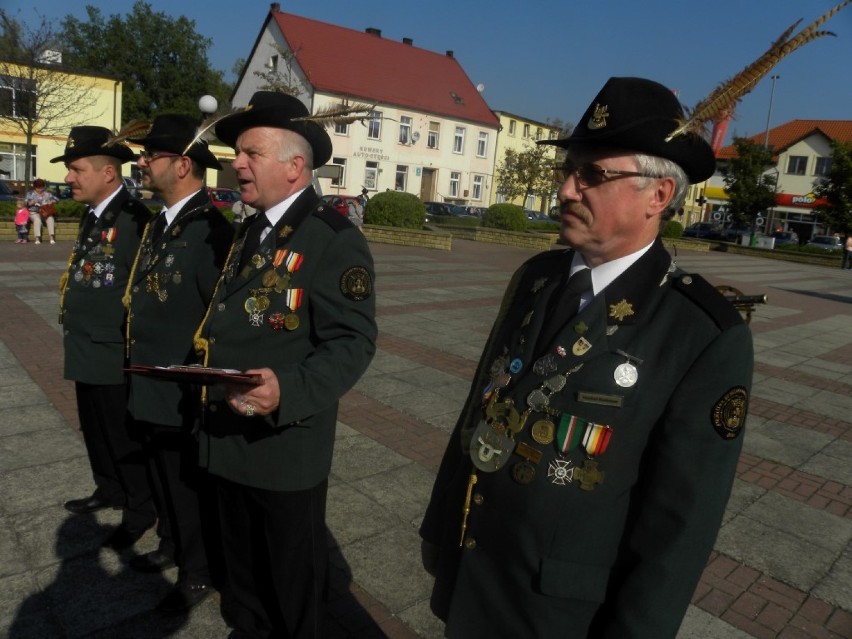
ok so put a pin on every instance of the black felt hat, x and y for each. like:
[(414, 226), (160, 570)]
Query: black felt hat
[(278, 110), (173, 133), (86, 141), (637, 115)]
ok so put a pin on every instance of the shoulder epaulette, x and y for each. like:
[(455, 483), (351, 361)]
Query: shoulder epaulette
[(330, 216), (711, 301), (134, 206)]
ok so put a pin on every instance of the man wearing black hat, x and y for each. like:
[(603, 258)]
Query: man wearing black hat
[(182, 253), (584, 484), (93, 318), (295, 306)]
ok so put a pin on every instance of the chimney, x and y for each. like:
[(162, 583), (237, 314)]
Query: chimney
[(374, 31), (449, 54), (274, 7), (407, 41)]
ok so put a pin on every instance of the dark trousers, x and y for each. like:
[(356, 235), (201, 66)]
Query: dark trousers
[(184, 500), (276, 560), (116, 454)]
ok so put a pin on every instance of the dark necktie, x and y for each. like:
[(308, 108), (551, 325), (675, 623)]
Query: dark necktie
[(253, 238), (88, 224), (159, 227), (563, 305)]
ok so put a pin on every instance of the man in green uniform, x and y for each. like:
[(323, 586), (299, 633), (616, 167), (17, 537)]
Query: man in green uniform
[(175, 272), (583, 487), (93, 319), (296, 307)]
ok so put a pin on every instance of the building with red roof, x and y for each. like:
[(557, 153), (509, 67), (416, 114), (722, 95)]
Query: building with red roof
[(802, 149), (429, 132)]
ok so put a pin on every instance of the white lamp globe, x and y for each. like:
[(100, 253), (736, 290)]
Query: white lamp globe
[(208, 104)]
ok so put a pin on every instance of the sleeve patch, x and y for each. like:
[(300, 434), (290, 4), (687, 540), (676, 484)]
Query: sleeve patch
[(356, 284), (729, 413)]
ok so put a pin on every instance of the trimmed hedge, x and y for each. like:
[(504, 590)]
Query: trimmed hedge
[(395, 208), (673, 229), (510, 217)]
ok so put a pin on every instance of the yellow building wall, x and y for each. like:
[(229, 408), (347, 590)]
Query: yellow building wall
[(518, 141)]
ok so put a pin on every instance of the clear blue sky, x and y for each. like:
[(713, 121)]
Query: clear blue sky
[(547, 59)]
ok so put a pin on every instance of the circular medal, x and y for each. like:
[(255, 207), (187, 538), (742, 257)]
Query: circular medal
[(269, 279), (545, 365), (258, 260), (250, 305), (537, 400), (262, 302), (523, 472), (516, 365), (291, 322), (96, 283), (626, 375), (78, 276), (542, 431)]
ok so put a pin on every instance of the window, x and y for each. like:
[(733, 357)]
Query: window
[(434, 133), (530, 202), (797, 165), (371, 176), (339, 181), (341, 129), (455, 179), (458, 140), (17, 97), (272, 64), (538, 133), (823, 167), (526, 131), (477, 187), (374, 127), (512, 126), (404, 130), (482, 144), (552, 135), (13, 160), (401, 177)]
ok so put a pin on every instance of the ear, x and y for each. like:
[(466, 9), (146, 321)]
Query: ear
[(660, 193), (295, 166)]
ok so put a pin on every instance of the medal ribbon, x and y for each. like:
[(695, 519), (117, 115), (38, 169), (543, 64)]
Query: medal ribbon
[(109, 234), (294, 298), (293, 260), (570, 432), (596, 439)]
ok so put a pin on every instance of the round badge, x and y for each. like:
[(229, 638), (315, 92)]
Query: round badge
[(515, 365), (262, 302), (291, 322), (356, 284), (250, 305), (625, 375), (269, 279), (542, 431), (729, 413), (523, 472)]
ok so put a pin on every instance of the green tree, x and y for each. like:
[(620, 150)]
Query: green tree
[(836, 187), (750, 189), (41, 95), (161, 60), (526, 172)]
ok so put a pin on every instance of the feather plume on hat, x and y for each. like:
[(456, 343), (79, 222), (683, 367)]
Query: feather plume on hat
[(722, 101), (134, 129), (205, 129), (343, 113)]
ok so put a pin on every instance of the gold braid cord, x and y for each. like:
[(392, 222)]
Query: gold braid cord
[(127, 298), (63, 283), (722, 101), (201, 345)]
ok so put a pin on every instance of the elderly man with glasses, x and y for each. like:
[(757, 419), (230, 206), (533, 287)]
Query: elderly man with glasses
[(584, 484)]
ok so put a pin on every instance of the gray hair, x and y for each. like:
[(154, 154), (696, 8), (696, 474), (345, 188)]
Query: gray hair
[(658, 167), (291, 144)]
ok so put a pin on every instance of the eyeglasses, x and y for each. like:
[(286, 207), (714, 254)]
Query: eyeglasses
[(150, 156), (590, 174)]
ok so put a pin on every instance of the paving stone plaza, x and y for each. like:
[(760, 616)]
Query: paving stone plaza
[(782, 564)]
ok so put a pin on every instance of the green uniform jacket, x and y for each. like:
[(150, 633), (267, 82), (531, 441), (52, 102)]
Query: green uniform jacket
[(172, 286), (92, 313), (620, 556), (252, 324)]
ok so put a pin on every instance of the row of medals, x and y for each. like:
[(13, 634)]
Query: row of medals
[(155, 282), (258, 301), (95, 272)]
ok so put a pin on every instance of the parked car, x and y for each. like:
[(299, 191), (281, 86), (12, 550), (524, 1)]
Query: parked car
[(61, 190), (7, 194), (340, 203), (786, 237), (133, 186), (703, 230), (223, 198), (735, 233), (538, 216), (825, 242), (476, 211)]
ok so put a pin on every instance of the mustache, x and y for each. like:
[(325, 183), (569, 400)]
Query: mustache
[(578, 210)]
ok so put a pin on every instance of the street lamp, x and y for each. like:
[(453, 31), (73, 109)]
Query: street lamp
[(769, 115), (207, 104)]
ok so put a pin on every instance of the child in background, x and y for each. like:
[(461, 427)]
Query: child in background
[(22, 220)]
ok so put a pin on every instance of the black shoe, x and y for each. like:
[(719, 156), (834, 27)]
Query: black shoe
[(154, 561), (123, 537), (88, 505), (184, 596)]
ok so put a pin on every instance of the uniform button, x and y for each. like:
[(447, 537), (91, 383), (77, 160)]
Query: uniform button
[(221, 307), (470, 543), (67, 332), (133, 341), (212, 340), (135, 289), (478, 499), (213, 408), (686, 279)]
